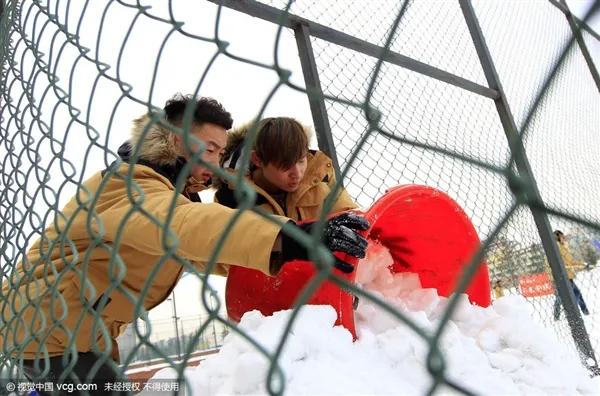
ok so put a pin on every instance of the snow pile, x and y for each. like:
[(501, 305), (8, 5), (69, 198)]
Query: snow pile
[(495, 350)]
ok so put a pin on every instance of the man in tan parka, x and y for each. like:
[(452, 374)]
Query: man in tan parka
[(66, 279), (289, 179), (571, 265)]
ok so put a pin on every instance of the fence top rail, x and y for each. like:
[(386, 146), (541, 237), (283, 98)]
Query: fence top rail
[(567, 12), (275, 15)]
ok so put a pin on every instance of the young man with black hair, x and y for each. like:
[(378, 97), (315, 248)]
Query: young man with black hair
[(66, 280)]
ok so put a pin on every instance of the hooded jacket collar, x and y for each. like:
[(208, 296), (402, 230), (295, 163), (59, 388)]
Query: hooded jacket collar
[(235, 148), (317, 171)]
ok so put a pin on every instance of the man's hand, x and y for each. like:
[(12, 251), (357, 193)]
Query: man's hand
[(339, 235)]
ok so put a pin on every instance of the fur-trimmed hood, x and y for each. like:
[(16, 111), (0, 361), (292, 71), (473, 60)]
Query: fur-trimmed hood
[(234, 149), (157, 150), (157, 146)]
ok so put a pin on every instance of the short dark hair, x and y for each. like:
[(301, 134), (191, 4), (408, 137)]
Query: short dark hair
[(206, 110), (558, 233), (281, 141)]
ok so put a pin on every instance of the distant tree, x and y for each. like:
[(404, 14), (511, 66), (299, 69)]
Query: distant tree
[(171, 348), (224, 333), (185, 340), (147, 353), (503, 258), (590, 254), (141, 354), (538, 258)]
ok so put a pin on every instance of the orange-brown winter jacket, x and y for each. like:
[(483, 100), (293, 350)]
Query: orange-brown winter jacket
[(305, 203)]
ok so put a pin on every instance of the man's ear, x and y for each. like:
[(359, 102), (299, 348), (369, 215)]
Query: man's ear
[(175, 140), (255, 160)]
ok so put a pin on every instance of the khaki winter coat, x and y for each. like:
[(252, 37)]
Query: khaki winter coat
[(45, 272), (304, 203), (498, 291), (570, 263)]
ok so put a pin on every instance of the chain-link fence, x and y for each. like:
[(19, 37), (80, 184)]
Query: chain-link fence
[(172, 336), (525, 41), (454, 86)]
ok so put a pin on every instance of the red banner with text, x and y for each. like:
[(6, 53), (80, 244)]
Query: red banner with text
[(536, 285)]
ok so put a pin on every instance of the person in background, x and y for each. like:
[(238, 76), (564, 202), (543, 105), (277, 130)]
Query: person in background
[(289, 179), (571, 265), (66, 302), (498, 289)]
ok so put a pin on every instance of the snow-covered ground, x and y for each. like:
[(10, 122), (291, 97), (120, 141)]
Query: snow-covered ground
[(501, 349), (542, 308)]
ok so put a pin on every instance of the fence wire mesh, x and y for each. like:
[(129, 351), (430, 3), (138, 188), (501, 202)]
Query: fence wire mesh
[(559, 141), (593, 44), (60, 127)]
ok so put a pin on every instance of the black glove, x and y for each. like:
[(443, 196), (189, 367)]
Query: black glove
[(338, 236)]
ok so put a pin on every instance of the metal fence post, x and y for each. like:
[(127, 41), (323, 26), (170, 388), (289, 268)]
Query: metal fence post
[(316, 101), (581, 24), (175, 318), (578, 331), (213, 295), (333, 36), (582, 46)]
